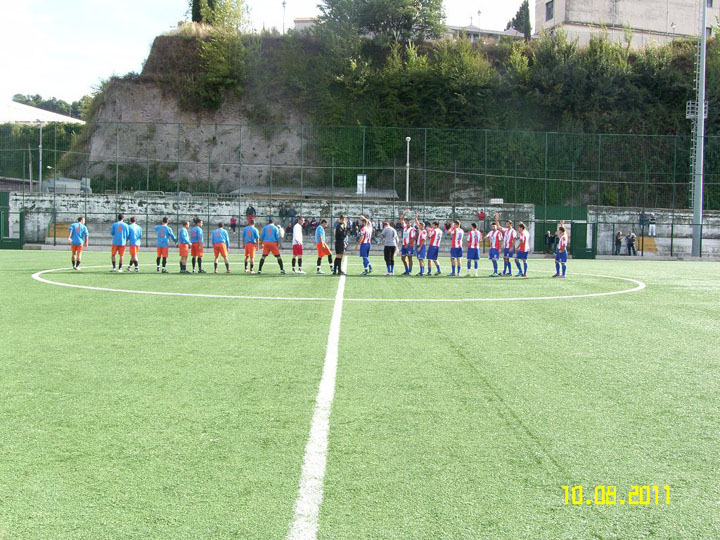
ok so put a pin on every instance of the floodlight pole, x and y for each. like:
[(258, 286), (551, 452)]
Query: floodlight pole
[(407, 171), (700, 141)]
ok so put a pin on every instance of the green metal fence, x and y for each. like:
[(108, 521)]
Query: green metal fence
[(445, 164)]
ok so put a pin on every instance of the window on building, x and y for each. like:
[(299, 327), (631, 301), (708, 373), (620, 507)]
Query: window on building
[(709, 3), (708, 32), (550, 10)]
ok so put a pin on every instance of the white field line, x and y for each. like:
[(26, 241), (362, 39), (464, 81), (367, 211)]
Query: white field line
[(307, 506), (639, 286)]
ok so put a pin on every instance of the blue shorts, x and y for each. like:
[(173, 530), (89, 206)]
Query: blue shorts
[(561, 257), (421, 253), (522, 255), (508, 252), (364, 250), (433, 252), (473, 254), (494, 254), (456, 253), (405, 251)]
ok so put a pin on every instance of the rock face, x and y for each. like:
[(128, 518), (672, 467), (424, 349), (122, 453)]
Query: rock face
[(140, 121)]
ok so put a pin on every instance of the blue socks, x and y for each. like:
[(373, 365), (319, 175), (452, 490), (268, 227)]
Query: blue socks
[(366, 263), (495, 266), (557, 268), (525, 265), (564, 267), (517, 263)]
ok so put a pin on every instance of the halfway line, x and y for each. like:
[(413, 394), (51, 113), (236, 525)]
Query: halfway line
[(307, 506)]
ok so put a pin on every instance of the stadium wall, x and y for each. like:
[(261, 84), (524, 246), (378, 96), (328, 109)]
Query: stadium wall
[(100, 210)]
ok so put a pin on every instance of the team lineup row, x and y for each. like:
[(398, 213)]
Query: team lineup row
[(417, 241)]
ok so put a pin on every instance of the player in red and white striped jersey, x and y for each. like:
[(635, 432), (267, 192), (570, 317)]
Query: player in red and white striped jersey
[(473, 252), (523, 250), (366, 233), (456, 247), (434, 238), (561, 255), (495, 237), (420, 243), (509, 237), (409, 233)]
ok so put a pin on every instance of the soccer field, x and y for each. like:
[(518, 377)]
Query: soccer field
[(461, 407)]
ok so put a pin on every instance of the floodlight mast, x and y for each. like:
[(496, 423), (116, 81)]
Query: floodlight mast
[(701, 111)]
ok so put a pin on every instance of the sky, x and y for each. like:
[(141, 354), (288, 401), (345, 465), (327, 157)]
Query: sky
[(64, 49)]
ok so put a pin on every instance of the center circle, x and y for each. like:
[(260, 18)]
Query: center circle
[(637, 286)]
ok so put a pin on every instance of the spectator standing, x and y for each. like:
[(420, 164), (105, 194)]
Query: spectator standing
[(233, 224), (642, 221), (651, 225), (618, 243), (250, 213), (548, 242), (630, 241), (283, 214), (291, 213)]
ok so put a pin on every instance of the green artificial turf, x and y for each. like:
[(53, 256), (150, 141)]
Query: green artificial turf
[(141, 416)]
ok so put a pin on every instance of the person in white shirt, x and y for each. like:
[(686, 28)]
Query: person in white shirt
[(297, 246)]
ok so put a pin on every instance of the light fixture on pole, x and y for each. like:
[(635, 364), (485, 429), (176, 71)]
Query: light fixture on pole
[(283, 4), (407, 171), (40, 167)]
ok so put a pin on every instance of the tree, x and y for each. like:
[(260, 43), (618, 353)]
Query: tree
[(76, 109), (387, 21), (196, 9), (521, 20)]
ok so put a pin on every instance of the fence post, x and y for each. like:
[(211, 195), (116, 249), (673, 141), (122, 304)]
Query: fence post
[(599, 173), (271, 186), (572, 191), (117, 164), (302, 164), (332, 197), (425, 173), (485, 160), (515, 196), (147, 194), (612, 241), (672, 233), (454, 201), (362, 198), (394, 175)]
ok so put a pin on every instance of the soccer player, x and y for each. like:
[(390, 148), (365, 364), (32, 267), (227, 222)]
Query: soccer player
[(408, 244), (119, 232), (390, 241), (340, 245), (196, 245), (509, 237), (184, 246), (473, 252), (221, 246), (297, 245), (134, 243), (251, 241), (523, 250), (164, 233), (364, 241), (495, 237), (434, 238), (561, 254), (322, 248), (420, 242), (269, 236), (456, 247), (77, 238)]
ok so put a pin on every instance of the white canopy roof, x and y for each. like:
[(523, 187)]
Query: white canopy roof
[(17, 113)]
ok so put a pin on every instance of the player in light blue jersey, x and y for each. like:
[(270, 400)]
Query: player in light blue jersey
[(321, 245), (164, 234), (270, 236), (78, 238), (184, 246), (134, 243), (251, 242), (120, 233), (196, 245), (221, 246)]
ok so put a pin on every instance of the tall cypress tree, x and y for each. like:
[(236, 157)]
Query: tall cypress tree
[(521, 20)]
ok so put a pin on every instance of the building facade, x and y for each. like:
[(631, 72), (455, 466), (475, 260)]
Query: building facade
[(649, 21)]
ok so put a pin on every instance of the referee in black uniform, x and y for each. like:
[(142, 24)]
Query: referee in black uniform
[(340, 244)]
